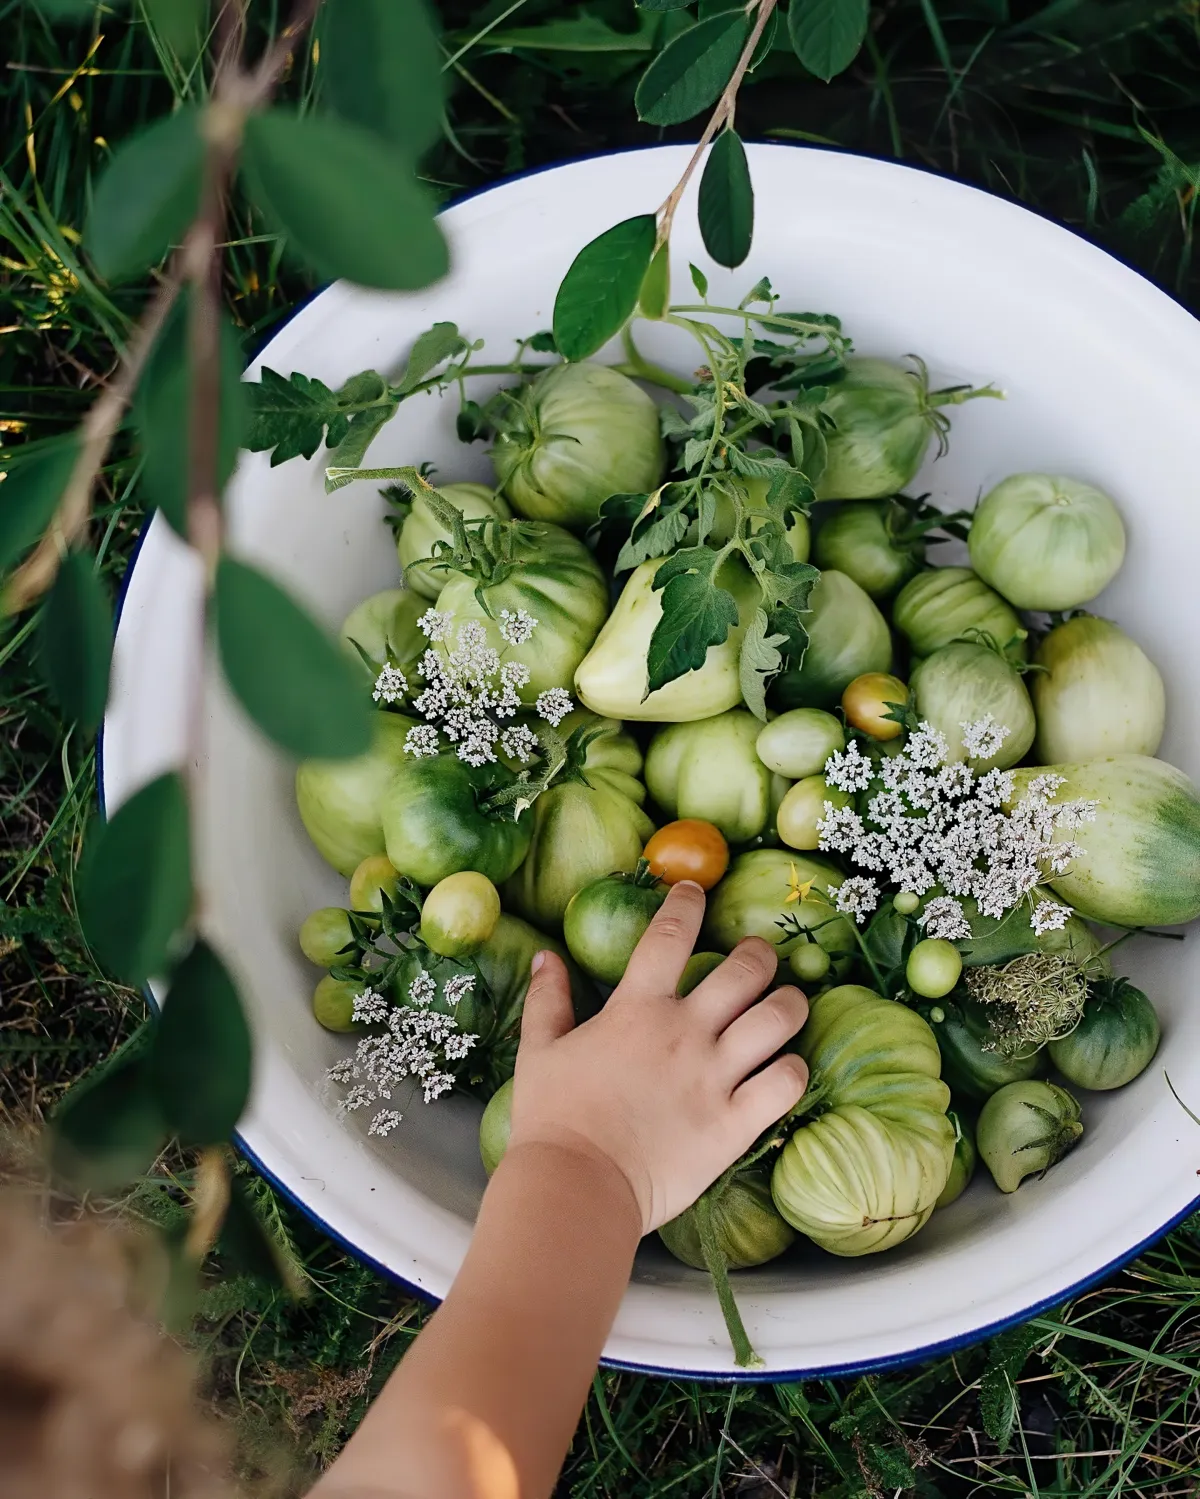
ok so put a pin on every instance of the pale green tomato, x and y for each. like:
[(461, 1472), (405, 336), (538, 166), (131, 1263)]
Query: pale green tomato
[(1100, 694), (809, 962), (333, 1003), (882, 431), (943, 604), (747, 1226), (858, 540), (803, 808), (964, 683), (610, 747), (421, 530), (847, 636), (1139, 862), (495, 1127), (709, 770), (798, 743), (339, 800), (906, 902), (324, 934), (571, 437), (797, 529), (1047, 542), (384, 627), (459, 914), (971, 1065), (1025, 1128), (874, 1148), (612, 678), (965, 1159), (933, 968), (375, 877), (763, 888), (1114, 1042)]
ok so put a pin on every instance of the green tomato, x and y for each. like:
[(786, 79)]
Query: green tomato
[(325, 934), (1099, 694), (941, 605), (1025, 1128), (495, 1127), (709, 770), (436, 822), (804, 807), (333, 1004), (797, 744), (754, 496), (747, 1226), (422, 530), (583, 829), (966, 1157), (572, 436), (610, 747), (1046, 542), (763, 889), (847, 636), (338, 800), (1139, 861), (906, 902), (873, 1150), (1113, 1043), (993, 942), (384, 628), (552, 577), (933, 967), (374, 878), (459, 914), (696, 970), (607, 919), (860, 541), (969, 1066), (809, 962), (963, 683), (613, 677)]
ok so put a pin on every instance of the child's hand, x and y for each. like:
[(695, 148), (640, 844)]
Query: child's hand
[(659, 1085)]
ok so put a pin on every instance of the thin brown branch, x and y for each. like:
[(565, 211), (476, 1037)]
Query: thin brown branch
[(275, 59)]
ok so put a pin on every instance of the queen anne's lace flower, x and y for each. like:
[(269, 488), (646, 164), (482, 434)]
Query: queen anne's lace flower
[(848, 769), (421, 740), (857, 897), (553, 705), (423, 989), (384, 1122), (455, 988), (943, 917), (516, 628), (390, 685), (519, 742), (434, 624), (1049, 916), (984, 738)]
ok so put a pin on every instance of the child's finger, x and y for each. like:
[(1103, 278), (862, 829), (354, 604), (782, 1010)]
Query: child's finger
[(763, 1099), (760, 1032), (660, 956), (735, 985), (548, 1013)]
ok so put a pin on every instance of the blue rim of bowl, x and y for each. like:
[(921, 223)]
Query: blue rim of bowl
[(663, 1371)]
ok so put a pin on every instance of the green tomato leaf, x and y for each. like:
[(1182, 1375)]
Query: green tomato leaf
[(135, 882), (437, 344), (657, 536), (654, 299), (696, 614), (760, 660), (109, 1131), (600, 290), (291, 677), (147, 197), (381, 67), (348, 204), (366, 422), (690, 72), (179, 23), (699, 280), (162, 414), (726, 205), (199, 1061), (827, 34), (291, 416), (31, 493), (75, 640)]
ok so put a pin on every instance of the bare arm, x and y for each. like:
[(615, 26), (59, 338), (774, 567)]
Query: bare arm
[(618, 1125)]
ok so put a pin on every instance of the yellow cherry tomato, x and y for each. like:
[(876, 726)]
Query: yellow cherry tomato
[(803, 807), (866, 702), (459, 914), (373, 876)]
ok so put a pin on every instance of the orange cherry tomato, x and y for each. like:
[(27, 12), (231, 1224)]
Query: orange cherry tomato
[(688, 850), (866, 703)]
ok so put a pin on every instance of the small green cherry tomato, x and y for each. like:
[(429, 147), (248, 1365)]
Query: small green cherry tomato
[(459, 914), (809, 962), (797, 744), (906, 902), (1025, 1128), (1114, 1041), (369, 882), (324, 934), (697, 969), (803, 808), (606, 920), (495, 1127), (333, 1003), (966, 1156), (933, 967)]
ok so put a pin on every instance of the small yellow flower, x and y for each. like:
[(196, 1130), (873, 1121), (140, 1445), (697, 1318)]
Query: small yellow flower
[(797, 889)]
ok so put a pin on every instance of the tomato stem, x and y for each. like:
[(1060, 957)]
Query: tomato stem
[(714, 1259)]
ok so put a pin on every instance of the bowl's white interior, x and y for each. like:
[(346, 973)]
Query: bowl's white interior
[(1101, 373)]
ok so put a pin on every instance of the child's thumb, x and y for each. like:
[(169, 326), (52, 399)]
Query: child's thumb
[(548, 1013)]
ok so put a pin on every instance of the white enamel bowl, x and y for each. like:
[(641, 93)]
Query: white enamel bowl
[(1102, 374)]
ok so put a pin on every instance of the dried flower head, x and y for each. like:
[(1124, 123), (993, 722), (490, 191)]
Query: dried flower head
[(1034, 999)]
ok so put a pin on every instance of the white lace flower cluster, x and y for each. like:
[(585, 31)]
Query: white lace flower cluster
[(413, 1041), (936, 822), (470, 694)]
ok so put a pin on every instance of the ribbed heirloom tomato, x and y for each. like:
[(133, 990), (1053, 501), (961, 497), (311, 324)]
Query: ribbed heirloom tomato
[(689, 849)]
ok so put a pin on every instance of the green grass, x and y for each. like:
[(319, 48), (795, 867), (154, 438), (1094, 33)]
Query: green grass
[(1082, 108)]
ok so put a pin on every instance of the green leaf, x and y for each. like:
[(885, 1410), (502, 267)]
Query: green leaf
[(200, 1059), (162, 414), (696, 614), (584, 33), (827, 34), (147, 197), (348, 204), (663, 4), (110, 1131), (30, 494), (660, 537), (699, 280), (247, 1242), (381, 66), (600, 290), (690, 72), (135, 883), (726, 204), (293, 680), (291, 416), (75, 640), (760, 660), (179, 23), (363, 429), (437, 344), (654, 298), (999, 1402)]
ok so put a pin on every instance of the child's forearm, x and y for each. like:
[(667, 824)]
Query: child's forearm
[(485, 1402)]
